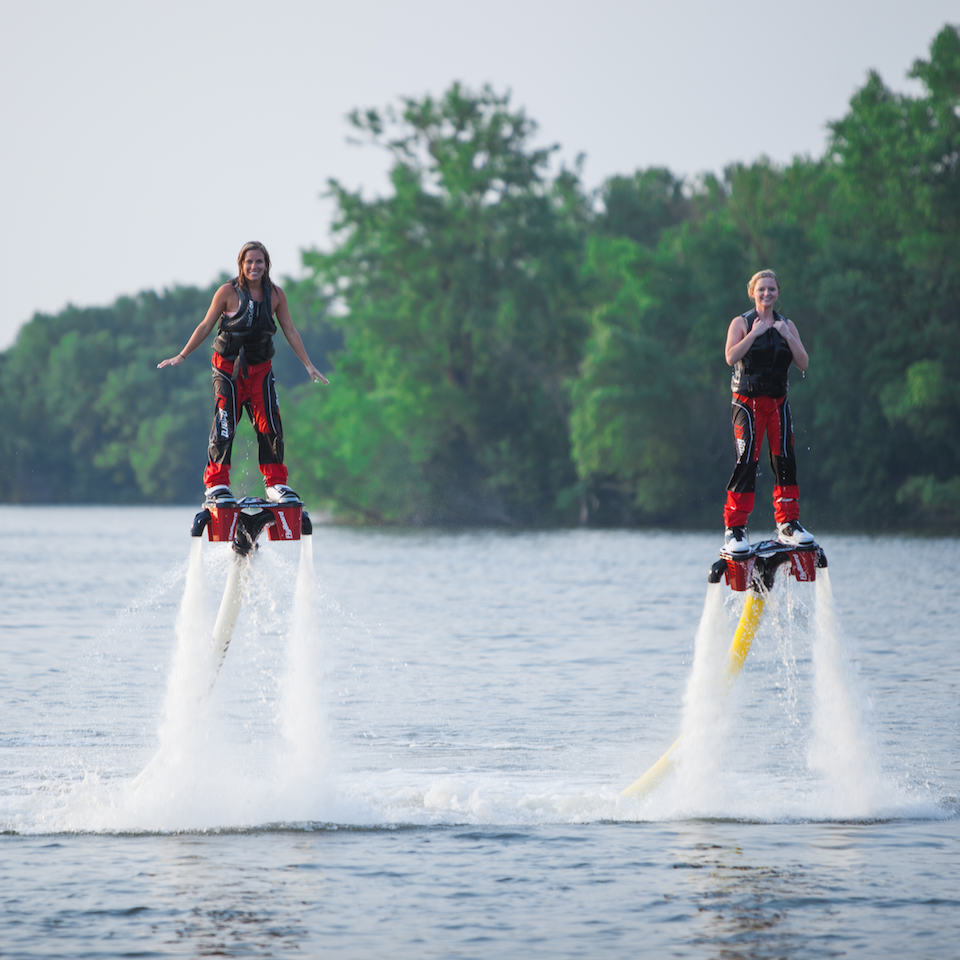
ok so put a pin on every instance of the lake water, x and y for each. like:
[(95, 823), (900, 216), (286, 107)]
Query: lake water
[(417, 743)]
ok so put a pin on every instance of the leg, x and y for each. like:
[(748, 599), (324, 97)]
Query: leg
[(222, 432), (265, 413), (743, 482), (783, 462)]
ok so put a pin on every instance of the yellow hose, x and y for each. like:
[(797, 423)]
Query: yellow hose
[(654, 775), (228, 613), (742, 638), (746, 631)]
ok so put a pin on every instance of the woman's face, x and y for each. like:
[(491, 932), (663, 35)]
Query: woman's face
[(254, 263), (765, 293)]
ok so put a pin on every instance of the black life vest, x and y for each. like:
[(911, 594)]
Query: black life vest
[(762, 370), (250, 329)]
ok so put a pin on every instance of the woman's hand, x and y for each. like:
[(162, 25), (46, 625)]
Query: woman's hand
[(172, 362), (740, 338), (315, 375)]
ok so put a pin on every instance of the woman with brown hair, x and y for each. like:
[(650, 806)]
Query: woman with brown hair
[(243, 311)]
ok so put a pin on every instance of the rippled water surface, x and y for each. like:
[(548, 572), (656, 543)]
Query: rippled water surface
[(417, 744)]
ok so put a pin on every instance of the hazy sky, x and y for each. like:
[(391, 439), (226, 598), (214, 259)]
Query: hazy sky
[(145, 143)]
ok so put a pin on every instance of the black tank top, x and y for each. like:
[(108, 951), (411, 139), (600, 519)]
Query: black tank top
[(762, 371), (252, 328)]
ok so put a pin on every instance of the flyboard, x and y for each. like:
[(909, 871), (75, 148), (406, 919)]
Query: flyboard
[(752, 572), (241, 522)]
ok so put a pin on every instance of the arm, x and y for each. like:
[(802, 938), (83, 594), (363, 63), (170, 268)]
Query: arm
[(788, 331), (218, 305), (293, 337), (740, 340)]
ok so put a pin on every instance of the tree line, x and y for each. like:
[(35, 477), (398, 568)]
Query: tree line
[(507, 347)]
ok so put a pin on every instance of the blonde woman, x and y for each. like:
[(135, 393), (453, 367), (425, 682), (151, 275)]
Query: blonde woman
[(761, 346)]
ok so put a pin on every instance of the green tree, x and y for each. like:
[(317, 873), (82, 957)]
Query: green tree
[(641, 207), (509, 350), (462, 315), (895, 238), (648, 424), (865, 243), (93, 421)]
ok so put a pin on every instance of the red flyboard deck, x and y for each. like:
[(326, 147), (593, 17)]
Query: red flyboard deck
[(286, 523), (763, 559)]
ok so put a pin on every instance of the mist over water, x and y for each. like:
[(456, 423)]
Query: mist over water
[(801, 746), (493, 693), (791, 738), (203, 774)]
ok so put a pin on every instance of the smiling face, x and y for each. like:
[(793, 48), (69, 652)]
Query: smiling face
[(765, 293), (253, 265)]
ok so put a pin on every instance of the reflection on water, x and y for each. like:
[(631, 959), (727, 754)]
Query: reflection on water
[(264, 915), (754, 910), (801, 890)]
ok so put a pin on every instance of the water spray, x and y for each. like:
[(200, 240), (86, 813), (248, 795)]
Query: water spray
[(241, 523), (754, 573)]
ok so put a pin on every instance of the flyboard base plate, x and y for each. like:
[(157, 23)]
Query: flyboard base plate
[(756, 569), (242, 521)]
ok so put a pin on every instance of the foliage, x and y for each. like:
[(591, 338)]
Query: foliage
[(462, 316), (94, 421), (864, 241), (506, 349)]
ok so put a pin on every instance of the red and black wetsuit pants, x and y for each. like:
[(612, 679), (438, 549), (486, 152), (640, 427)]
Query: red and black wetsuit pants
[(752, 418), (257, 394)]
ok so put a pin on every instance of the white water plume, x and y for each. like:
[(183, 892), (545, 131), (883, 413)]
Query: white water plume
[(837, 775), (844, 749), (303, 720), (197, 777), (699, 754), (189, 677)]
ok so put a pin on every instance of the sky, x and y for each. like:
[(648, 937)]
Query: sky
[(144, 143)]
